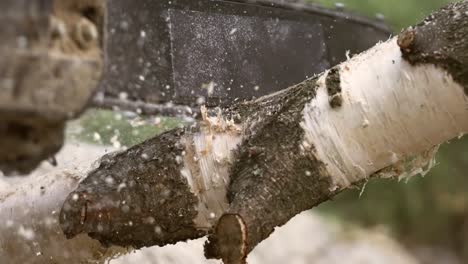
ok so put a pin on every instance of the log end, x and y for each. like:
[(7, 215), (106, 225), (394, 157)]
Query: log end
[(229, 241)]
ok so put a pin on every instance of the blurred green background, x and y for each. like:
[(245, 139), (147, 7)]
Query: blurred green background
[(398, 13)]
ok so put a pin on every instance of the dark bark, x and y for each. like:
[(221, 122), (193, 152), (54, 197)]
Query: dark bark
[(334, 88), (440, 40), (273, 179), (135, 198)]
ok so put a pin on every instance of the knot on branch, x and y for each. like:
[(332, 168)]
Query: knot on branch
[(441, 39)]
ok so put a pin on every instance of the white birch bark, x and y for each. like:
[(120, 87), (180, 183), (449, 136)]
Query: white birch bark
[(393, 114)]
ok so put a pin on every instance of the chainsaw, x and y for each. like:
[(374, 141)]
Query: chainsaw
[(155, 57)]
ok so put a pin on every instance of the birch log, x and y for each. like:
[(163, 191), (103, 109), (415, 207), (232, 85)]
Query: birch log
[(245, 170)]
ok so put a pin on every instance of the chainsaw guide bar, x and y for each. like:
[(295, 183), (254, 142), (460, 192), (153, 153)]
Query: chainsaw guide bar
[(170, 57)]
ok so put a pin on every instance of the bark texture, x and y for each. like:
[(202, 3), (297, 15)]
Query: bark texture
[(440, 40), (143, 196), (135, 198), (275, 176)]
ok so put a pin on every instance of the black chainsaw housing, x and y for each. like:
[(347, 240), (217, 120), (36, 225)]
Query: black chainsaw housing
[(175, 55)]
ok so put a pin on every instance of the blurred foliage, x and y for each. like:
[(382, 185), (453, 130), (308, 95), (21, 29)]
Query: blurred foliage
[(120, 128), (398, 13)]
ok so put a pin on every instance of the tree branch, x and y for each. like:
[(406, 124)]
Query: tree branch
[(382, 113), (245, 170)]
